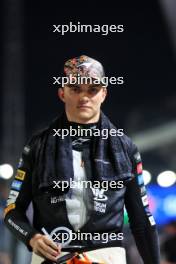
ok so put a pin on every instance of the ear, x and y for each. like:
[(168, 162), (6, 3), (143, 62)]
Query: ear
[(61, 94), (104, 94)]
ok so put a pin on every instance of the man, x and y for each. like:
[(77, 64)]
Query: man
[(51, 160)]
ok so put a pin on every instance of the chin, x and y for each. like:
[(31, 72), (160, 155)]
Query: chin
[(85, 116)]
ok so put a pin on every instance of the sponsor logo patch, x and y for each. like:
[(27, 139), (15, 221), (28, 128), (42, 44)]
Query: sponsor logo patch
[(143, 190), (26, 149), (17, 227), (137, 157), (20, 175), (140, 179), (145, 200), (99, 200), (9, 208), (57, 199), (139, 168), (20, 163), (152, 221), (12, 197), (10, 201), (16, 185), (99, 207), (99, 194)]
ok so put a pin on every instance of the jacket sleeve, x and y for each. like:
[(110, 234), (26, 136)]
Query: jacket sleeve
[(20, 196), (141, 221)]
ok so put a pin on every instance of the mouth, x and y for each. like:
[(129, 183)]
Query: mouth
[(84, 107)]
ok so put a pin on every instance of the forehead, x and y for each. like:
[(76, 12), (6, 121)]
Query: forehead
[(84, 86)]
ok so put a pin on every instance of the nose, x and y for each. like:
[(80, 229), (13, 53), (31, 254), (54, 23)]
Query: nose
[(83, 97)]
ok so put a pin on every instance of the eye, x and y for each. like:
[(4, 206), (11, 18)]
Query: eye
[(75, 89), (94, 90)]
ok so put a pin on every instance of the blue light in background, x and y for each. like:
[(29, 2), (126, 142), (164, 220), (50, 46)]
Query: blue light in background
[(162, 202)]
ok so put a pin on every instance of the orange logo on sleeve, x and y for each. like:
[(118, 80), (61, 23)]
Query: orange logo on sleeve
[(9, 208)]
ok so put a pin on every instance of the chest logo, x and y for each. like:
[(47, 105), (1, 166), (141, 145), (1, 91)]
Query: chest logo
[(99, 200), (99, 194)]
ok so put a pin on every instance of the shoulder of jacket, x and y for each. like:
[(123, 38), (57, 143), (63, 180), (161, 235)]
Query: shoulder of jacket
[(128, 144), (126, 141), (42, 133)]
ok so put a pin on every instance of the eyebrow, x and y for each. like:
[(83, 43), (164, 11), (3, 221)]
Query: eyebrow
[(78, 85)]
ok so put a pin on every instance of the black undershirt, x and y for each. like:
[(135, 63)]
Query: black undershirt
[(85, 136)]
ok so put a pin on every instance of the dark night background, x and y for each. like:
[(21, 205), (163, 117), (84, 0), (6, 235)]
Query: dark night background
[(142, 54)]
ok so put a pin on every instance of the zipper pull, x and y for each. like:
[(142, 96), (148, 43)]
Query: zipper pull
[(82, 163)]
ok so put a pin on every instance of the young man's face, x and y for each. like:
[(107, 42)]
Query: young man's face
[(83, 102)]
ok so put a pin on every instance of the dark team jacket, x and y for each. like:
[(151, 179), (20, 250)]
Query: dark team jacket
[(106, 215)]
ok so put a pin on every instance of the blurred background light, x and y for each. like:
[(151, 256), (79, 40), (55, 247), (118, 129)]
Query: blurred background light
[(6, 171), (169, 205), (162, 202), (166, 178)]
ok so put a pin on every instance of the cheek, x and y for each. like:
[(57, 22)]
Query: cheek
[(71, 101), (98, 100)]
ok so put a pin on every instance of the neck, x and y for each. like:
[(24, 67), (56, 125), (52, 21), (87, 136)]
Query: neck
[(71, 118)]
